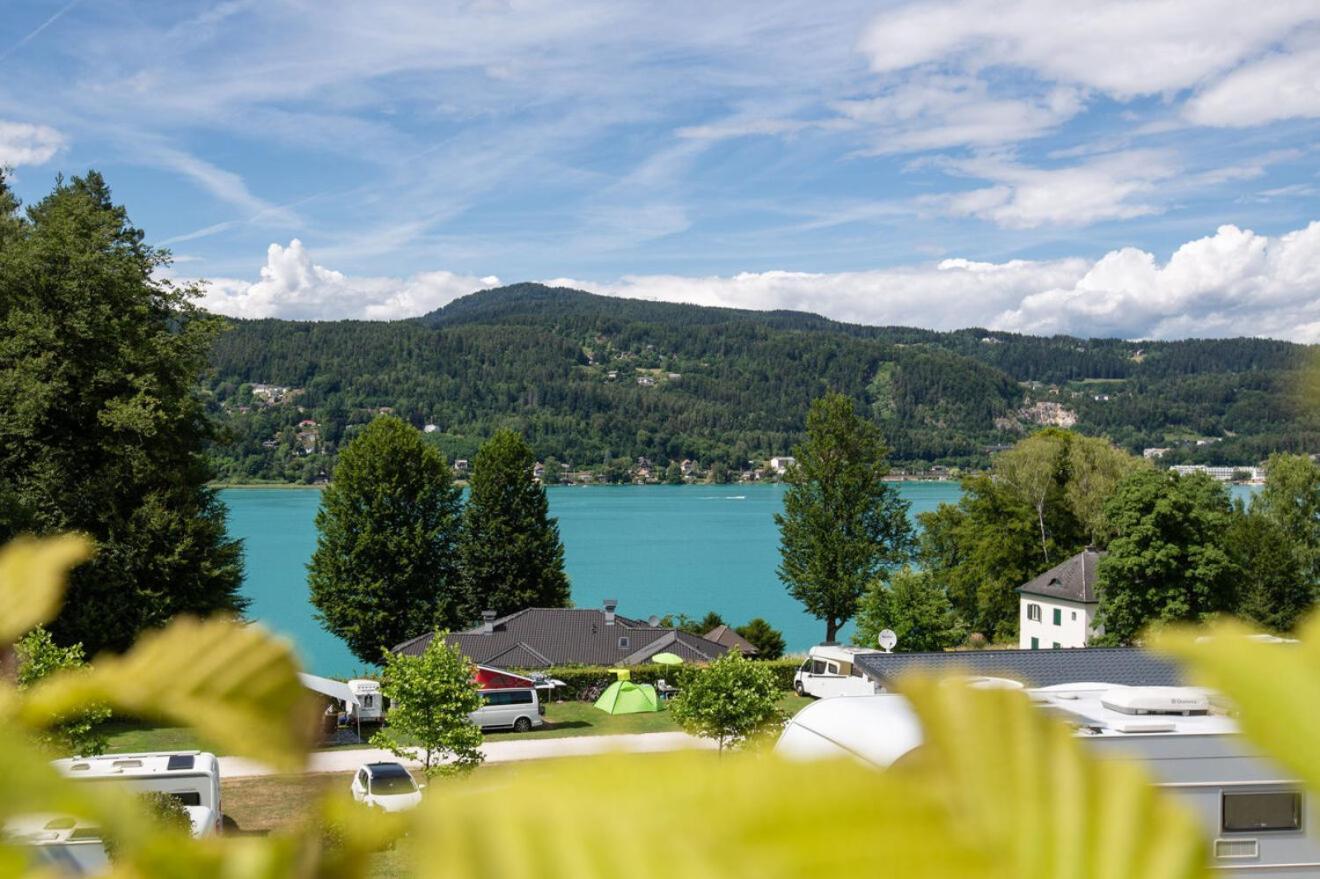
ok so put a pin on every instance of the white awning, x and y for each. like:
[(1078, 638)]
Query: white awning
[(337, 690)]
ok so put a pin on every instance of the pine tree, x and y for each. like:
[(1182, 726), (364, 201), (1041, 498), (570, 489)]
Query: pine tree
[(386, 562), (101, 427), (509, 546)]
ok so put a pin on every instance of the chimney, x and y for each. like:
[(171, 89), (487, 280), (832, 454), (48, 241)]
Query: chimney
[(610, 605), (487, 622)]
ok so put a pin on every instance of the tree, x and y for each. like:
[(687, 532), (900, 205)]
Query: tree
[(768, 641), (386, 561), (1291, 498), (842, 525), (1031, 469), (38, 658), (431, 696), (915, 607), (1095, 468), (673, 474), (102, 430), (1271, 588), (1167, 560), (509, 545), (730, 701)]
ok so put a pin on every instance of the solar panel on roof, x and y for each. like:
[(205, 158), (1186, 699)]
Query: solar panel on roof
[(180, 761)]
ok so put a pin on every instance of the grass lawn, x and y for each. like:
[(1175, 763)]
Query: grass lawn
[(562, 719)]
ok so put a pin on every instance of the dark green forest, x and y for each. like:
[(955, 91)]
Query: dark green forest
[(598, 382)]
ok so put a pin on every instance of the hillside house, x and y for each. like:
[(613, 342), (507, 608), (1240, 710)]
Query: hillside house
[(781, 463), (1058, 608)]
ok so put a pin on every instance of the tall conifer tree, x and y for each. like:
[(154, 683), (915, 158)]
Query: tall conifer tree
[(101, 428), (386, 562), (510, 549)]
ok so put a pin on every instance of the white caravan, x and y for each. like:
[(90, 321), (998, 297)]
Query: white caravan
[(64, 845), (370, 706), (1253, 813), (191, 777), (832, 670)]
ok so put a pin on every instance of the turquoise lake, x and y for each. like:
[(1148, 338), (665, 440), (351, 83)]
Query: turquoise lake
[(657, 549)]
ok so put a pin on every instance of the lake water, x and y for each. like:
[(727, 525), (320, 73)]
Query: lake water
[(657, 549)]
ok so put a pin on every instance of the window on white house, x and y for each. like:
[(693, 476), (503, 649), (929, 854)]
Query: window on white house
[(1074, 614), (1033, 612), (1058, 617)]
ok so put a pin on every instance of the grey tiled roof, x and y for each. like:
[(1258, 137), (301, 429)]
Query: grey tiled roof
[(1131, 666), (542, 637), (722, 634), (1071, 580)]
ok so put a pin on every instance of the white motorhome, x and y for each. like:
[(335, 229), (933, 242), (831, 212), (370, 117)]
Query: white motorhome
[(832, 670), (64, 845), (1255, 816), (369, 707), (191, 777)]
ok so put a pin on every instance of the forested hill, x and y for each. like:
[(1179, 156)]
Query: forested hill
[(597, 382)]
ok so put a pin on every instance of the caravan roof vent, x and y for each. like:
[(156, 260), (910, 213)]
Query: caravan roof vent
[(1156, 700)]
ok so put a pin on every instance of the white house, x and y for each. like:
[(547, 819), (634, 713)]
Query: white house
[(781, 463), (1058, 608)]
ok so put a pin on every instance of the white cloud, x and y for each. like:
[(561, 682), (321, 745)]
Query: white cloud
[(294, 287), (937, 111), (24, 144), (1109, 187), (1280, 86), (1124, 48), (1232, 283)]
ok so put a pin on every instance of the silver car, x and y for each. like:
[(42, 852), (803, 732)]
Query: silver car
[(386, 786)]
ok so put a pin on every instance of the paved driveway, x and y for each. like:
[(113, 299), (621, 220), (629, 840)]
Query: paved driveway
[(496, 751)]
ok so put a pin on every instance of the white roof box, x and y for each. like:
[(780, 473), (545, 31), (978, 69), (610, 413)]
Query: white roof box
[(1156, 700)]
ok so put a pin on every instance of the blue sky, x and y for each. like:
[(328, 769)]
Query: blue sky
[(1145, 169)]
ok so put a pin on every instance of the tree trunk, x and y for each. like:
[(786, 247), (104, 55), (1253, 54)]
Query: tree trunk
[(1040, 515), (831, 629)]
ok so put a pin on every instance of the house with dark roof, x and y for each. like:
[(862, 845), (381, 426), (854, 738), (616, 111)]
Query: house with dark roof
[(541, 637), (1126, 666), (1058, 608), (728, 638)]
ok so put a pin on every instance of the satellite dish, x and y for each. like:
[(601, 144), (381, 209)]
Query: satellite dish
[(653, 621), (887, 640)]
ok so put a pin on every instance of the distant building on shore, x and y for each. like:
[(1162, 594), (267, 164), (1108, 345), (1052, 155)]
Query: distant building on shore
[(781, 463), (1223, 474)]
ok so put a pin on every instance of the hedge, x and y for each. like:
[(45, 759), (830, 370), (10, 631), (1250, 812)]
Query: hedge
[(580, 678)]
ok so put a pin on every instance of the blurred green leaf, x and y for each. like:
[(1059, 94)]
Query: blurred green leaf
[(688, 815), (1275, 687), (1033, 802), (235, 684), (32, 575)]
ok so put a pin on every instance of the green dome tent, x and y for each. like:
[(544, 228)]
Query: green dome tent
[(625, 697)]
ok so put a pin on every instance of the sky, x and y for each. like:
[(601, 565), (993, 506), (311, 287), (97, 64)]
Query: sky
[(1133, 168)]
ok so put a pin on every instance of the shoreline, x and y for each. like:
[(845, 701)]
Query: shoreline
[(282, 486)]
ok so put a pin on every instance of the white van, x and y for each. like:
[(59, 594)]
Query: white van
[(831, 670), (518, 709), (191, 777)]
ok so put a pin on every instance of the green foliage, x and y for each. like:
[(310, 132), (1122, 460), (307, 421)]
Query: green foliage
[(386, 560), (518, 357), (39, 657), (842, 526), (431, 696), (1167, 561), (1044, 500), (580, 678), (768, 641), (731, 701), (915, 606), (1291, 499), (509, 545), (1270, 587), (101, 428)]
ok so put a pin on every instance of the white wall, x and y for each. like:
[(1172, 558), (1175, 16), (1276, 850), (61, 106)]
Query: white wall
[(1076, 622)]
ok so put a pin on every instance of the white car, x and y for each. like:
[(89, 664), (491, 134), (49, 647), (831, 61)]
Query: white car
[(386, 786)]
